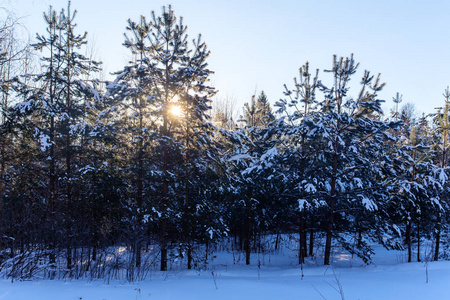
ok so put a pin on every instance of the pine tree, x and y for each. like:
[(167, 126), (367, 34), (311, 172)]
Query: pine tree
[(258, 112), (443, 127), (397, 100), (54, 108), (299, 147), (348, 143), (417, 187), (168, 78), (251, 162)]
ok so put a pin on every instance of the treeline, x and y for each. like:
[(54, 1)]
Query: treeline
[(138, 162)]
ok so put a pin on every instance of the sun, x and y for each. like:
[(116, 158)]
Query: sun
[(176, 111)]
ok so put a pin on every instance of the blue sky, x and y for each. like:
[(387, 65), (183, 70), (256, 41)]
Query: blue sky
[(259, 45)]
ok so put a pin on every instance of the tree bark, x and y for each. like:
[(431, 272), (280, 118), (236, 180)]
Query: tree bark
[(52, 171), (408, 238), (302, 239), (332, 203), (187, 209), (2, 185), (68, 145), (140, 191), (277, 238), (164, 217), (247, 234), (418, 241), (438, 237), (187, 221), (328, 238)]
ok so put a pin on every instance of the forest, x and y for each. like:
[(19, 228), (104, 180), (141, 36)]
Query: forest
[(115, 178)]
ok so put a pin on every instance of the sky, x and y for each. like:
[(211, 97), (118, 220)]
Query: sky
[(260, 44)]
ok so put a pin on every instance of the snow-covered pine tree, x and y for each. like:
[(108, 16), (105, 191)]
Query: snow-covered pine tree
[(416, 188), (347, 157), (54, 107), (257, 174), (77, 94), (201, 162), (443, 130), (297, 148), (162, 98), (397, 100)]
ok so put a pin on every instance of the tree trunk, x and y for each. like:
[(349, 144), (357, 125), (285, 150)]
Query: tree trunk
[(2, 186), (328, 238), (439, 218), (52, 171), (6, 75), (302, 239), (311, 243), (418, 241), (408, 238), (332, 203), (52, 192), (247, 235), (359, 239), (277, 238), (188, 239), (438, 237), (165, 195), (137, 232), (68, 149), (164, 217), (188, 233), (187, 212), (69, 204), (94, 252)]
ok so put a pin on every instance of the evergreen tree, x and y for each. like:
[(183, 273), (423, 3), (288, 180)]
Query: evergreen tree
[(415, 198), (164, 95), (299, 148), (348, 143), (443, 127), (257, 112), (397, 100), (54, 107)]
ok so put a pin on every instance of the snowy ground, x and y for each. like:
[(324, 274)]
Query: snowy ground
[(277, 278)]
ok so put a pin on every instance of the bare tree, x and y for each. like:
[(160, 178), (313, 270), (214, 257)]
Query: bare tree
[(15, 59), (224, 113)]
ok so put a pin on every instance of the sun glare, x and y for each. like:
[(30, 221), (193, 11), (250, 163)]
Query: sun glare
[(176, 111)]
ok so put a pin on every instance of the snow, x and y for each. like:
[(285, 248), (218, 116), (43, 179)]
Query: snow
[(368, 204), (302, 204), (442, 176), (278, 277), (239, 157), (270, 154), (310, 188), (45, 142), (25, 106)]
